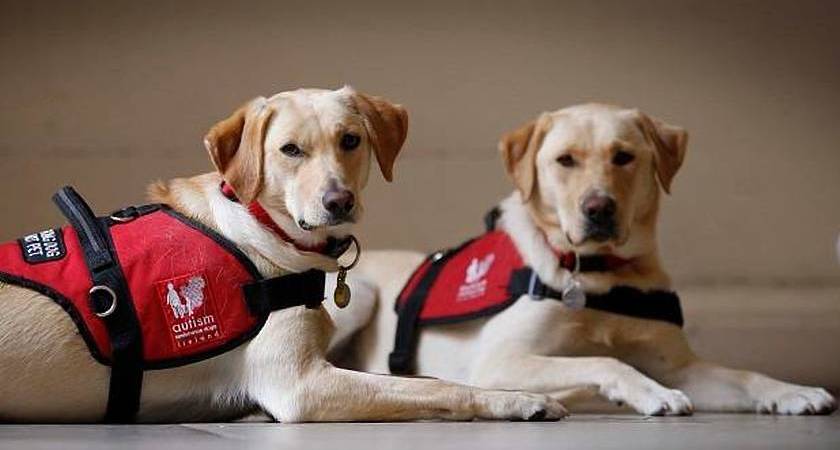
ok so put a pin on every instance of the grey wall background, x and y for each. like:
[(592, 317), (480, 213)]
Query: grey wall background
[(110, 95)]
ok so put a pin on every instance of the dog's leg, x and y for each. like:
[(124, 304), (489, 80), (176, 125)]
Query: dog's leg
[(716, 388), (329, 394), (612, 378), (287, 375)]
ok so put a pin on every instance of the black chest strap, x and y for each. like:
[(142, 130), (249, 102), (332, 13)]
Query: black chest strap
[(627, 301), (110, 300), (401, 359), (287, 291)]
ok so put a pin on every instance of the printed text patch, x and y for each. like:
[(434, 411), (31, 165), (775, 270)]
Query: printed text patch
[(47, 245)]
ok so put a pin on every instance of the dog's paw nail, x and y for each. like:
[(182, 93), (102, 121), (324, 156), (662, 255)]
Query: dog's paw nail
[(537, 416)]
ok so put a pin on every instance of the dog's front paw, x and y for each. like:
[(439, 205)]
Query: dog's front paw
[(650, 398), (796, 400), (512, 405)]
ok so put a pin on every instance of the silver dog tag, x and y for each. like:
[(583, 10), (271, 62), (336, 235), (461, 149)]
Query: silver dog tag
[(573, 295)]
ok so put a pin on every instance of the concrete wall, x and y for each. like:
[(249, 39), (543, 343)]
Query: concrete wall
[(110, 95)]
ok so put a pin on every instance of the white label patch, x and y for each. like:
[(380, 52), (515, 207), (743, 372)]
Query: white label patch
[(475, 285), (189, 309)]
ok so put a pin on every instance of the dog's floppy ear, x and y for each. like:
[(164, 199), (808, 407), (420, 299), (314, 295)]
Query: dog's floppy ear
[(236, 148), (387, 128), (670, 143), (519, 153)]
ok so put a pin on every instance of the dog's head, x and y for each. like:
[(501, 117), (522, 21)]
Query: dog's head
[(305, 155), (589, 172)]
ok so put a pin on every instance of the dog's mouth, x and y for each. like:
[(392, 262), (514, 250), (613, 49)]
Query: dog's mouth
[(329, 225), (600, 235), (326, 225), (594, 235), (305, 226)]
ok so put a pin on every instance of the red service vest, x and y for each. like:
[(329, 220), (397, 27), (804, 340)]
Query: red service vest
[(186, 282), (472, 281)]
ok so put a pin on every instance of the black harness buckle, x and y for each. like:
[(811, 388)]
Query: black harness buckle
[(125, 215), (130, 213), (536, 290)]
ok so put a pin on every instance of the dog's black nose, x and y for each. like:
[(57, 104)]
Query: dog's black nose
[(339, 202), (598, 208)]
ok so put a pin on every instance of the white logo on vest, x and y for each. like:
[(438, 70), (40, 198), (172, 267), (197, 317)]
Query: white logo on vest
[(194, 319), (475, 285), (193, 292)]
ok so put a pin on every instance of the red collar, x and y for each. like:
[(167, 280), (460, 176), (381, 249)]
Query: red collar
[(571, 261), (265, 219)]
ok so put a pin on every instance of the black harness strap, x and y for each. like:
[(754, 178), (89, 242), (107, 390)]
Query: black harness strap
[(296, 289), (654, 305), (401, 359), (491, 218), (110, 300)]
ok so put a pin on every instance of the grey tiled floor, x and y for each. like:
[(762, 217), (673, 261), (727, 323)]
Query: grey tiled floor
[(580, 431)]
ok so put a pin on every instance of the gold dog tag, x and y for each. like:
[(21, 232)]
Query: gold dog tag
[(341, 296)]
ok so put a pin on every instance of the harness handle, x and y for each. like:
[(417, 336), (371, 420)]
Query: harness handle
[(109, 289)]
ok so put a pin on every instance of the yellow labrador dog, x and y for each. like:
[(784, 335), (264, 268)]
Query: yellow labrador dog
[(588, 180), (304, 156)]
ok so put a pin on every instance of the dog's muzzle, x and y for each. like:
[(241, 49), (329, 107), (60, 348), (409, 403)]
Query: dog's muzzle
[(339, 204), (599, 211)]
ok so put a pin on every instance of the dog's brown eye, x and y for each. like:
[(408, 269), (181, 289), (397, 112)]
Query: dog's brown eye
[(350, 141), (566, 160), (291, 150), (622, 158)]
